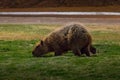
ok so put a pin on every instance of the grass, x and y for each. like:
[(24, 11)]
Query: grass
[(24, 32), (17, 62)]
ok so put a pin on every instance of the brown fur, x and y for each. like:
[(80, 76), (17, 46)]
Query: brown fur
[(72, 37)]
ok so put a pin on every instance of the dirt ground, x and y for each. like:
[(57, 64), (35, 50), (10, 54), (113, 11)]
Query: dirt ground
[(59, 20), (114, 8)]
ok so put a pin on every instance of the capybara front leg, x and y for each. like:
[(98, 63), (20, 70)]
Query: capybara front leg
[(58, 50), (87, 51)]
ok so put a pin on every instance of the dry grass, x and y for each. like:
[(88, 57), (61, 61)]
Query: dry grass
[(17, 36), (104, 28), (31, 32), (24, 32), (105, 33)]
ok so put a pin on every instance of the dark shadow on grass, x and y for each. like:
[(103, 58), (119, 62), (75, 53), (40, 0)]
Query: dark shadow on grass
[(66, 55)]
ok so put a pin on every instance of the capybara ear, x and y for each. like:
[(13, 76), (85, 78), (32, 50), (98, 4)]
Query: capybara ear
[(41, 42)]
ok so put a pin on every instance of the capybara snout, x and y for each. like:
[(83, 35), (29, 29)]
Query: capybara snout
[(40, 49), (36, 52)]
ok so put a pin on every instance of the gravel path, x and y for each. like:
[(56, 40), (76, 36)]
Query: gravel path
[(56, 20)]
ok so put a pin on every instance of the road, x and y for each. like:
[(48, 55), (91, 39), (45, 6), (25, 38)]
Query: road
[(60, 18), (60, 13)]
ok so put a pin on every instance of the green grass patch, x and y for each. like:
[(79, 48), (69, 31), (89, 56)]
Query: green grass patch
[(17, 62)]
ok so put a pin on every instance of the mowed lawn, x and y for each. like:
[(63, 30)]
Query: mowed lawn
[(17, 63)]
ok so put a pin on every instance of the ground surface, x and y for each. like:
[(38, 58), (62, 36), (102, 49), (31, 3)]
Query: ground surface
[(18, 40), (60, 19), (84, 9)]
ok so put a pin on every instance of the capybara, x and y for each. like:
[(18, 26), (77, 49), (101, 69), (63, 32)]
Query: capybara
[(72, 37)]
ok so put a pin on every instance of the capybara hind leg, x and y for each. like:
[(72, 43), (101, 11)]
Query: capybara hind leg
[(76, 52), (87, 51), (92, 49)]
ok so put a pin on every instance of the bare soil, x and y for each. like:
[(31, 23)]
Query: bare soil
[(49, 9), (59, 19)]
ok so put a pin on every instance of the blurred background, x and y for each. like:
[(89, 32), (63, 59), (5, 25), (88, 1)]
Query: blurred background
[(60, 5)]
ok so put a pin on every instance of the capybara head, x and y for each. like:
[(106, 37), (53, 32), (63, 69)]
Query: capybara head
[(40, 49), (93, 49)]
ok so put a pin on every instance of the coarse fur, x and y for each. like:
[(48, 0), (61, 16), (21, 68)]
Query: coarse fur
[(72, 37)]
